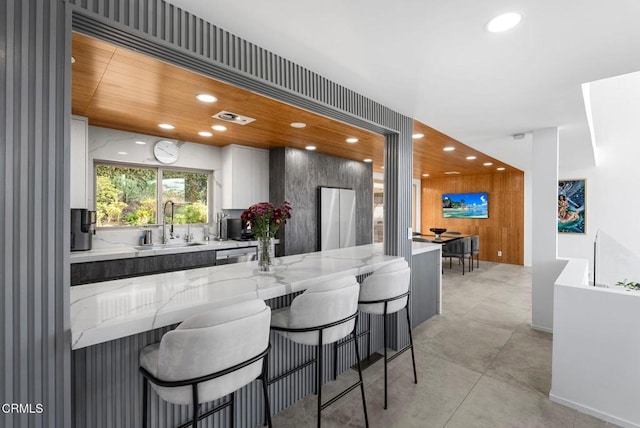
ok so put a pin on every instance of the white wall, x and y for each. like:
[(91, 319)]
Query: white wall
[(596, 348), (613, 186), (528, 226), (546, 267)]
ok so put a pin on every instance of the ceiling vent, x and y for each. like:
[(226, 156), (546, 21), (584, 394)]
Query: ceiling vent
[(228, 116)]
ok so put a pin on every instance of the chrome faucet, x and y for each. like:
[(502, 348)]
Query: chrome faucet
[(188, 237)]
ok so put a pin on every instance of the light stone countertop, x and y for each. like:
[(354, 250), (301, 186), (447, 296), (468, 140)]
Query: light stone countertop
[(423, 247), (128, 251), (109, 310)]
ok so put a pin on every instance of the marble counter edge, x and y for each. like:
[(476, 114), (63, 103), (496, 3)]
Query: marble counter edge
[(424, 247), (129, 252), (290, 277)]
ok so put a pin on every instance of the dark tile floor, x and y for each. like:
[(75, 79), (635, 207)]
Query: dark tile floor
[(479, 365)]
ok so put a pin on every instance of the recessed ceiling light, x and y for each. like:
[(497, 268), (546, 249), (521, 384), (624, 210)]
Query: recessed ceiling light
[(504, 22), (449, 149), (487, 163), (73, 60), (452, 172), (206, 98), (142, 143), (298, 125), (166, 126), (122, 153), (471, 157), (367, 160), (310, 147), (205, 134), (418, 135), (382, 167), (352, 140), (501, 168), (425, 175), (219, 128)]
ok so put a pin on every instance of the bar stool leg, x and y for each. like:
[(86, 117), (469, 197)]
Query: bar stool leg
[(144, 401), (384, 329), (319, 377), (267, 405), (364, 401), (413, 356), (194, 422)]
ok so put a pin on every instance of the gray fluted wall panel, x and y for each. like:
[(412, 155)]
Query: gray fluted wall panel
[(398, 160), (34, 324)]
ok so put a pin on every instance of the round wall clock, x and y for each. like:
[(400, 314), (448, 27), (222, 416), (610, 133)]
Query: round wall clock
[(166, 151)]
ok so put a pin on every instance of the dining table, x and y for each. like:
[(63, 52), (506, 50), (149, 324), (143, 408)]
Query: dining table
[(442, 239)]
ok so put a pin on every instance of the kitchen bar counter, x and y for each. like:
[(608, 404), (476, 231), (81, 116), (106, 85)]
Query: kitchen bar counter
[(110, 310), (111, 321)]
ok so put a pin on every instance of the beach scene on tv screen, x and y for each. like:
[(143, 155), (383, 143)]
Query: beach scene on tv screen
[(465, 205)]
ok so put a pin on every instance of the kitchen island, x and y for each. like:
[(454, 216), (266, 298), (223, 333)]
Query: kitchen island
[(111, 321)]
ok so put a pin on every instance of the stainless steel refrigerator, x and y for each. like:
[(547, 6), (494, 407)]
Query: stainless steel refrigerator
[(336, 218)]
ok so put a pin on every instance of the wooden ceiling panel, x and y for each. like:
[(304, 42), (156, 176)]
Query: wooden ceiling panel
[(121, 89), (430, 158)]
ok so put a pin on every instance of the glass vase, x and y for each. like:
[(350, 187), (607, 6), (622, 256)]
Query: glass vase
[(266, 253)]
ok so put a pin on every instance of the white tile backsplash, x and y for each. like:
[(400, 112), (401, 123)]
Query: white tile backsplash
[(119, 237)]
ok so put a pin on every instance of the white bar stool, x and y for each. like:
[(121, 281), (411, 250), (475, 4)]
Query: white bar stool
[(385, 292), (323, 314), (209, 356)]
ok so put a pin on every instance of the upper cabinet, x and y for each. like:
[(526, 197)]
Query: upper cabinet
[(79, 162), (245, 176)]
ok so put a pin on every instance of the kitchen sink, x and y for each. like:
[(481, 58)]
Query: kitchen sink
[(163, 246)]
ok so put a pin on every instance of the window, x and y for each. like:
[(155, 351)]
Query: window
[(188, 192), (130, 196)]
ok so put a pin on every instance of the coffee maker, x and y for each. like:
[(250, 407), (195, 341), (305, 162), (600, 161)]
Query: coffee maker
[(83, 226)]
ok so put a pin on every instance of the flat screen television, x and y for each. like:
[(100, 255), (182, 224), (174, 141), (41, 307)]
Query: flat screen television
[(465, 205)]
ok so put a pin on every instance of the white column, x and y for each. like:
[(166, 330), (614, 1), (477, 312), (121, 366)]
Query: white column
[(546, 267)]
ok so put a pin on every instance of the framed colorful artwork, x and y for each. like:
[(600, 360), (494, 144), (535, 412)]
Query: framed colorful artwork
[(571, 206)]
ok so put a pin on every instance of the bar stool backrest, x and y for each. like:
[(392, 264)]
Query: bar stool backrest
[(322, 304), (210, 342), (387, 282)]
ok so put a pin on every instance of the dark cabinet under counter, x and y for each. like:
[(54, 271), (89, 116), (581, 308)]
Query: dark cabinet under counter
[(106, 270)]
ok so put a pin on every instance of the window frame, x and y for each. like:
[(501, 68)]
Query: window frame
[(159, 169)]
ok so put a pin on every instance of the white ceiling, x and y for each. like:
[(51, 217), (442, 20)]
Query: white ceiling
[(434, 61)]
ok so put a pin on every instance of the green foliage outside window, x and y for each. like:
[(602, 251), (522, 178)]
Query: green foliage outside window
[(127, 196), (188, 191)]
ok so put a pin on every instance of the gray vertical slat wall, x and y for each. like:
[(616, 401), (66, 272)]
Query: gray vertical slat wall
[(34, 295), (35, 104)]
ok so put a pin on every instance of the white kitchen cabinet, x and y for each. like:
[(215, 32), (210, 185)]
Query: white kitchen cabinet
[(79, 161), (245, 176)]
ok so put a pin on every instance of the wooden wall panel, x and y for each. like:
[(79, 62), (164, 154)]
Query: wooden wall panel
[(502, 231)]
